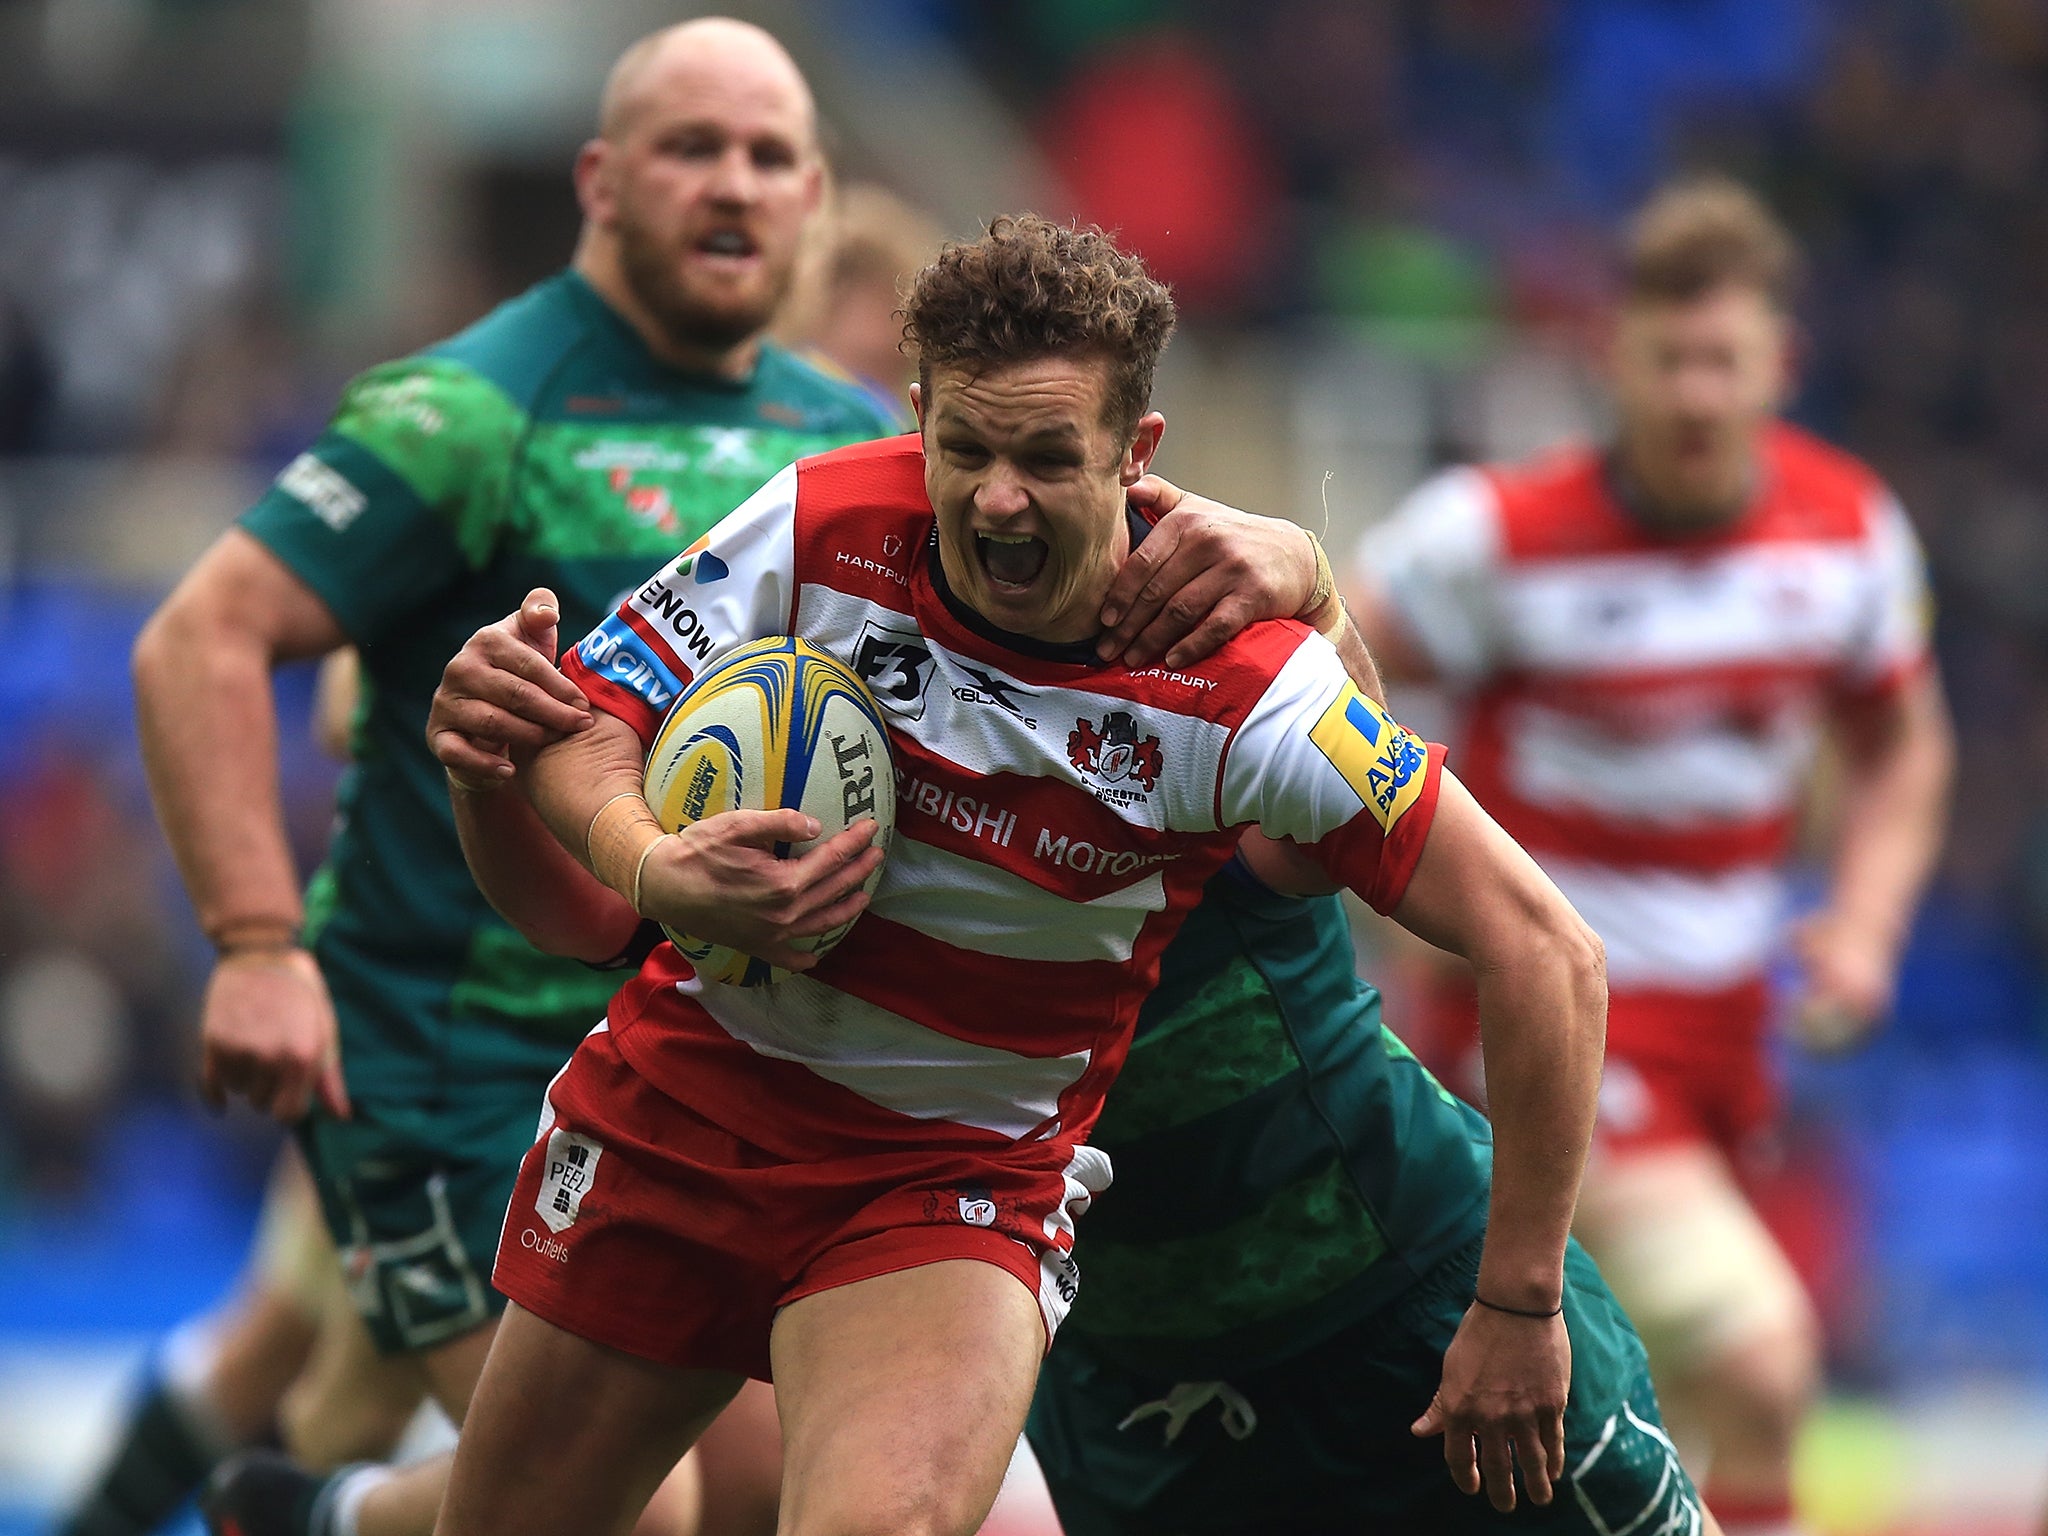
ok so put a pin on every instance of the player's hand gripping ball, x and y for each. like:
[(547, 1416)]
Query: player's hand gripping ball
[(777, 725)]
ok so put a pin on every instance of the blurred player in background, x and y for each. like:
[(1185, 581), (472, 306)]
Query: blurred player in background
[(1649, 638), (586, 429), (845, 314), (286, 1354)]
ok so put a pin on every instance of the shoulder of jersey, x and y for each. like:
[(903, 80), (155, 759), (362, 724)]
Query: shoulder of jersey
[(886, 473), (896, 460), (518, 345), (840, 403), (1823, 492), (861, 512), (1556, 504), (1226, 686)]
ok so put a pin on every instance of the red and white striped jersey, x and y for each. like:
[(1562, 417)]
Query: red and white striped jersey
[(1056, 818), (1640, 712)]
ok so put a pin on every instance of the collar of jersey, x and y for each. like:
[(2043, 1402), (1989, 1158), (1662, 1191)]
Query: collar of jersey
[(1079, 653), (1626, 501), (636, 345)]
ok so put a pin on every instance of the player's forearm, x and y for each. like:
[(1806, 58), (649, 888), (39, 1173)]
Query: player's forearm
[(207, 721), (1543, 1022), (1894, 815), (570, 781), (533, 882), (1543, 1018)]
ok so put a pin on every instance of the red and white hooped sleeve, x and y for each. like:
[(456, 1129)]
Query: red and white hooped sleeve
[(1320, 763)]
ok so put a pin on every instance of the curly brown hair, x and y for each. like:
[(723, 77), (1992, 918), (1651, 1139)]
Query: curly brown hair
[(1700, 233), (1029, 289)]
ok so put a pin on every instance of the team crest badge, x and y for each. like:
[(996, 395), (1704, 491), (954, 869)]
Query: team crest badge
[(975, 1205), (977, 1209), (1125, 766)]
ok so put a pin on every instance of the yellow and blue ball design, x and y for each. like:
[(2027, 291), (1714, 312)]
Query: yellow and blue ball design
[(777, 723)]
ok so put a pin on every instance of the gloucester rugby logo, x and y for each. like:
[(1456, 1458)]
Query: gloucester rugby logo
[(1124, 766), (974, 1204)]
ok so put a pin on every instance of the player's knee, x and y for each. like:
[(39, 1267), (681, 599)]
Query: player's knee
[(1767, 1380), (897, 1512), (880, 1523)]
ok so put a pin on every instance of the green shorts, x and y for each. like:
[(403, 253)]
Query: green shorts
[(416, 1214), (1320, 1443)]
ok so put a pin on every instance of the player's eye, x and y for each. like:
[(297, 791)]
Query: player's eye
[(774, 155), (694, 146)]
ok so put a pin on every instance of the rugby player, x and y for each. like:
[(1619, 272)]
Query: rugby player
[(844, 313), (285, 1356), (842, 1178), (582, 431), (1649, 636), (1253, 1342)]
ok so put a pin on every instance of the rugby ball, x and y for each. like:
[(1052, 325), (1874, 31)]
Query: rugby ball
[(776, 724)]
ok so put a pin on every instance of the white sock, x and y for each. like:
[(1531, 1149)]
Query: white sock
[(340, 1504)]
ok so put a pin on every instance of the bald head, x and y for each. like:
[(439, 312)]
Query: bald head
[(677, 62), (697, 189)]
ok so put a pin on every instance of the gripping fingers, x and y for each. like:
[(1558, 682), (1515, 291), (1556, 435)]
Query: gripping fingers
[(456, 752), (523, 681), (764, 829), (539, 668), (1125, 610), (840, 848), (826, 918), (481, 721), (835, 887), (1191, 607), (1224, 623)]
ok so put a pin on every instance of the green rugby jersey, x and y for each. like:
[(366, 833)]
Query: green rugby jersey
[(543, 446), (1284, 1165)]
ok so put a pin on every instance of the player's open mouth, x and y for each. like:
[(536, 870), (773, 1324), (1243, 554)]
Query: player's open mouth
[(1011, 561), (727, 245)]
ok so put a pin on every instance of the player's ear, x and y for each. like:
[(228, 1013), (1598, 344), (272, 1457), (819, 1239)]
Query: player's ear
[(1144, 444), (1607, 342), (593, 186), (917, 403), (1794, 353)]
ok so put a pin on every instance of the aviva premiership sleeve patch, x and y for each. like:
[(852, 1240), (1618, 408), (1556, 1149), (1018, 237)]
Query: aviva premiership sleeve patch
[(1383, 761)]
